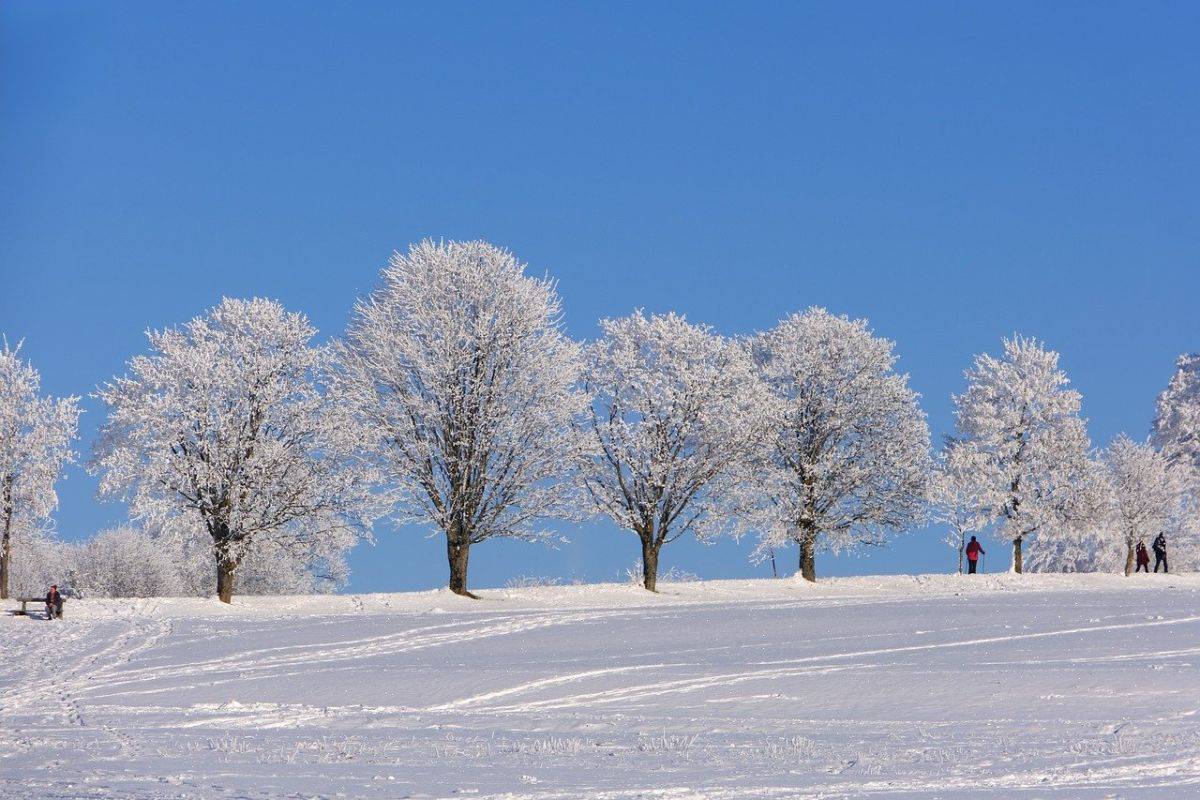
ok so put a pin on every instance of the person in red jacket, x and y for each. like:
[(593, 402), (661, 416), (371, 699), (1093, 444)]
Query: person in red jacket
[(974, 550), (1143, 558)]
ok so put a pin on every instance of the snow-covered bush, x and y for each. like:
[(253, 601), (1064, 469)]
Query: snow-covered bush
[(1086, 548), (531, 582), (44, 561), (270, 565), (634, 575), (125, 562), (129, 562)]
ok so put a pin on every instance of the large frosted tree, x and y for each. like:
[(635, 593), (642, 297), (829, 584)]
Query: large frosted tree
[(36, 433), (458, 367), (225, 423), (676, 413), (1148, 494), (847, 456), (1177, 417), (1024, 422)]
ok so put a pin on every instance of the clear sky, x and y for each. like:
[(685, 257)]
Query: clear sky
[(951, 171)]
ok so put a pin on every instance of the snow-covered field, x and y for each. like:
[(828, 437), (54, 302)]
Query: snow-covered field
[(897, 687)]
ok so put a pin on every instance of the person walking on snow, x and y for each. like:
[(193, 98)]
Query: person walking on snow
[(1160, 552), (1143, 557), (974, 550), (54, 603)]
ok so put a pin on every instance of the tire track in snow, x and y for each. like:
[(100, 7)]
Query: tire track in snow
[(255, 663), (771, 670), (677, 686), (539, 684), (1015, 637)]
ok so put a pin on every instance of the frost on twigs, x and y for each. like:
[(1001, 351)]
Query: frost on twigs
[(846, 460), (467, 387), (225, 423), (676, 413), (36, 433)]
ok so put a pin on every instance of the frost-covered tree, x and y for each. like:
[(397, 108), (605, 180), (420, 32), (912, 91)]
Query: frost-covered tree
[(1019, 415), (1177, 417), (36, 433), (225, 424), (959, 493), (459, 368), (847, 459), (676, 414), (1148, 494)]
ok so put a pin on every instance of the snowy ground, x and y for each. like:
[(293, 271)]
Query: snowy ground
[(891, 687)]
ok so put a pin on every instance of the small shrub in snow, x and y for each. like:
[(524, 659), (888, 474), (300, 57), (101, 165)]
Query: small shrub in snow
[(531, 582), (795, 747), (550, 746), (667, 743)]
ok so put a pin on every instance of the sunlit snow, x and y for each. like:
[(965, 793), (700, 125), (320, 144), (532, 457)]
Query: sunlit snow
[(898, 687)]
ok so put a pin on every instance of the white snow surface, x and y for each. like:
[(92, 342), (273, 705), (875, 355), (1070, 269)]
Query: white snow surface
[(996, 686)]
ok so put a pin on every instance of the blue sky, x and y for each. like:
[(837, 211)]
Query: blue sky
[(954, 172)]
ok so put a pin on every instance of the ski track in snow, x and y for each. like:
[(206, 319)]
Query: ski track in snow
[(897, 688)]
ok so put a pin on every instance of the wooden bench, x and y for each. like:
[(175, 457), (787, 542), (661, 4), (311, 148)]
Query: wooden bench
[(24, 601)]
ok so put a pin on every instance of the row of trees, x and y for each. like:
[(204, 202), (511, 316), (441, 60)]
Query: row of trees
[(455, 400), (1020, 464)]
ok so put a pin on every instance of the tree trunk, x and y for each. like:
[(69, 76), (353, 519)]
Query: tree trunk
[(226, 572), (5, 555), (6, 542), (1017, 555), (808, 561), (458, 554), (649, 564), (1128, 558), (962, 546)]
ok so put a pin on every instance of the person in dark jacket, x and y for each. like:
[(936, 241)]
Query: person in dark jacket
[(1160, 552), (974, 551), (54, 603), (1143, 557)]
